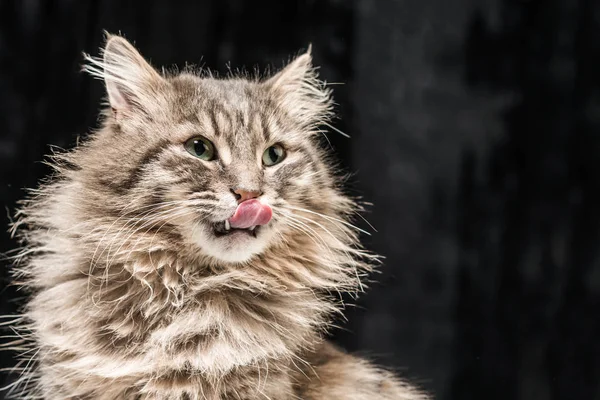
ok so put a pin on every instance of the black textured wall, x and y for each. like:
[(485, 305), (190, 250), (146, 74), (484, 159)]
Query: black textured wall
[(475, 131)]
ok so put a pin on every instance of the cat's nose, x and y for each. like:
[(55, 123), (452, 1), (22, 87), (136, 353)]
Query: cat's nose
[(242, 195)]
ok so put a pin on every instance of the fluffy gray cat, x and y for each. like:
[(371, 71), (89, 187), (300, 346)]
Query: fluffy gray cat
[(194, 247)]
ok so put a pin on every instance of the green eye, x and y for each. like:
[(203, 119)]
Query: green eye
[(273, 155), (201, 147)]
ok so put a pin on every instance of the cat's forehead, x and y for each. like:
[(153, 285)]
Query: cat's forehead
[(227, 107), (233, 94)]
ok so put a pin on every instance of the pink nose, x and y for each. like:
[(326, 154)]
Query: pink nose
[(243, 195)]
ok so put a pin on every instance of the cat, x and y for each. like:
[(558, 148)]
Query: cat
[(194, 247)]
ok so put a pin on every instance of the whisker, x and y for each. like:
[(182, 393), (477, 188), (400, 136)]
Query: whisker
[(335, 129), (329, 218)]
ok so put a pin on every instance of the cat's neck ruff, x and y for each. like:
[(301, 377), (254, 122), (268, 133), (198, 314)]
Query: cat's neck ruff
[(151, 315)]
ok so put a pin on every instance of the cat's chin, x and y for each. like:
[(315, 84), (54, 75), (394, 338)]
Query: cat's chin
[(233, 246)]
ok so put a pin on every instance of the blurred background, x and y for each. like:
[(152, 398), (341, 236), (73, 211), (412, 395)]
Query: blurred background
[(475, 131)]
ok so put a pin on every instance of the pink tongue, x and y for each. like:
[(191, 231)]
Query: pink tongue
[(249, 213)]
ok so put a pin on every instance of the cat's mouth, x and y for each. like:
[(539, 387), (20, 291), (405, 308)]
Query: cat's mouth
[(249, 216), (224, 228)]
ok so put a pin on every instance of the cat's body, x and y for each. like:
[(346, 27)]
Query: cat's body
[(149, 279)]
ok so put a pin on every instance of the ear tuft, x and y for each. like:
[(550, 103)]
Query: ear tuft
[(301, 93), (128, 77), (295, 72)]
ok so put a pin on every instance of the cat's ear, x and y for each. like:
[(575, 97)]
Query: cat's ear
[(130, 80), (295, 73), (300, 92)]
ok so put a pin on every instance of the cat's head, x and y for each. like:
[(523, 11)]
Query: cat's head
[(232, 166)]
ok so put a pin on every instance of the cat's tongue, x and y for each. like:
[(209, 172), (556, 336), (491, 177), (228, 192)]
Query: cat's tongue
[(250, 213)]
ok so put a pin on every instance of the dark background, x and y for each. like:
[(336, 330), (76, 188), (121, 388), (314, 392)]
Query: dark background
[(475, 133)]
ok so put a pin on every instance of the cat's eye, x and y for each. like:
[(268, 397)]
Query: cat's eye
[(273, 155), (201, 147)]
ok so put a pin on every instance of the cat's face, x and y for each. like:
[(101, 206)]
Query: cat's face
[(238, 163), (228, 164)]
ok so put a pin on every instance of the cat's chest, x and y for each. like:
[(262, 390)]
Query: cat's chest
[(247, 383), (181, 338)]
